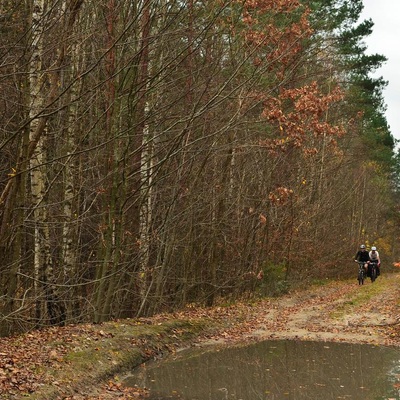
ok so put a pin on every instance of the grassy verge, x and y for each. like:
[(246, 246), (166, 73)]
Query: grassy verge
[(359, 299), (107, 350)]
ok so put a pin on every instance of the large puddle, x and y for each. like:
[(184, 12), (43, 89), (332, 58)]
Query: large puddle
[(275, 370)]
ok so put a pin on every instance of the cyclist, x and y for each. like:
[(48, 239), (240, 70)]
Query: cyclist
[(374, 256), (363, 255)]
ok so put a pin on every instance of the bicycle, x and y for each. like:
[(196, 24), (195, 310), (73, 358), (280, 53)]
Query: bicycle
[(373, 270), (361, 272)]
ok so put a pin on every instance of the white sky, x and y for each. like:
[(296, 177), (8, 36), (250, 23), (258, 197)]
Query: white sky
[(385, 40)]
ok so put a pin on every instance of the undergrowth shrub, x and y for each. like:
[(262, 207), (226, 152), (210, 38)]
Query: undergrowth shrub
[(273, 281)]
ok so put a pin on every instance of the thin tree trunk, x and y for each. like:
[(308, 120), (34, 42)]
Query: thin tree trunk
[(107, 268), (141, 139), (70, 226)]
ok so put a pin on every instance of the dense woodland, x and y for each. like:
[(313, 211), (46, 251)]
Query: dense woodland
[(162, 153)]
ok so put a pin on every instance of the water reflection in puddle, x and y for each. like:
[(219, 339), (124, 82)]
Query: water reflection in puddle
[(276, 370)]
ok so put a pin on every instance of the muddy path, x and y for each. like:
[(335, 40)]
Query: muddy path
[(338, 311)]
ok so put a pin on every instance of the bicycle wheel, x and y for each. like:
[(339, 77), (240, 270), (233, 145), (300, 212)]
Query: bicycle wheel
[(361, 277), (373, 274)]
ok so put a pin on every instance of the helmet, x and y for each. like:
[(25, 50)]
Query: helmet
[(373, 248), (362, 246)]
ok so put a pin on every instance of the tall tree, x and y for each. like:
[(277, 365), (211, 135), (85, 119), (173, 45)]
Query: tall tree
[(163, 153)]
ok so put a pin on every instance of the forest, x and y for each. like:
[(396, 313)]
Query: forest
[(156, 154)]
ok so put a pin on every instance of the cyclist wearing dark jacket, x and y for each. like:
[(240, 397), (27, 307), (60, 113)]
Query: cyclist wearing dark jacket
[(363, 255)]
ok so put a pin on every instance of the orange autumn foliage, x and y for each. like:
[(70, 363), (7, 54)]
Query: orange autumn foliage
[(274, 31)]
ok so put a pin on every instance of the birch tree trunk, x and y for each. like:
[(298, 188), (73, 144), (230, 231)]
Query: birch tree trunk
[(43, 81), (37, 82), (70, 226), (144, 155)]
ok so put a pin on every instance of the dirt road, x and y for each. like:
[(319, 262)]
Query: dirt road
[(338, 311)]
